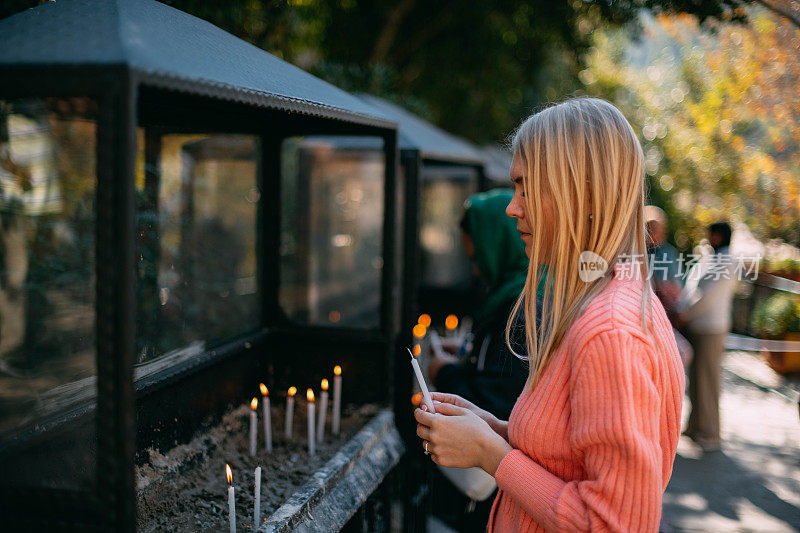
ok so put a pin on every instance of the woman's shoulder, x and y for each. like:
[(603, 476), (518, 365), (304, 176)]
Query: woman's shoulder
[(618, 308)]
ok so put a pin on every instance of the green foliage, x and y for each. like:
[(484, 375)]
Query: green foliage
[(783, 267), (625, 10), (715, 106), (777, 315), (474, 68)]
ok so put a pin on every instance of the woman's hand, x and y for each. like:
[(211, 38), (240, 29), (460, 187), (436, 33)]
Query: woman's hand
[(457, 437), (500, 427)]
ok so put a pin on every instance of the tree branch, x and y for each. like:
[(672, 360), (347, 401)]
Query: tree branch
[(389, 31)]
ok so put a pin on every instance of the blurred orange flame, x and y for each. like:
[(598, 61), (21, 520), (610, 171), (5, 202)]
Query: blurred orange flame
[(451, 322), (292, 391), (417, 350), (264, 391), (254, 403), (324, 384), (337, 370), (228, 473), (310, 395), (425, 320), (419, 331), (416, 399)]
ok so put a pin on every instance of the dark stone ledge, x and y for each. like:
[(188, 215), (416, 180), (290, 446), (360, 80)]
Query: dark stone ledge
[(335, 492)]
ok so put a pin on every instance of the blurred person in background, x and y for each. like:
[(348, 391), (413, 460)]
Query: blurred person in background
[(490, 376), (704, 309), (663, 257), (664, 262)]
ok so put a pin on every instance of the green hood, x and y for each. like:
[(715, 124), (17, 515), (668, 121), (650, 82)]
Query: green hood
[(499, 251)]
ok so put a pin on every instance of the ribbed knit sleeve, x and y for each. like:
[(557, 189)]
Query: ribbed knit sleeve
[(614, 424)]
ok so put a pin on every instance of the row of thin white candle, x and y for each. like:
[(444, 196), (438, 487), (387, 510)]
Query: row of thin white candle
[(316, 433)]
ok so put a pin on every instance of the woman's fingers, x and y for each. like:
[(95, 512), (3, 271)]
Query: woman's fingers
[(423, 417), (423, 432), (446, 398), (449, 409)]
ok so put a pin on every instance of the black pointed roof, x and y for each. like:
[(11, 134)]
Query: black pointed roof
[(415, 133), (168, 48), (497, 163)]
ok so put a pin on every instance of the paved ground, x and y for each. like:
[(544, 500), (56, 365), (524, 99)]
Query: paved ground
[(753, 484)]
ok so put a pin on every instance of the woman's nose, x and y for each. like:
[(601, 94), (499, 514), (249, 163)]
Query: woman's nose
[(513, 209)]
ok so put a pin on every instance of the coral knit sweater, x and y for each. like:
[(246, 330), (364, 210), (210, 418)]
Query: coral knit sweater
[(595, 440)]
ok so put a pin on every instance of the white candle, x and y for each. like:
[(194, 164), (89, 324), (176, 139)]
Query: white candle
[(312, 441), (426, 396), (253, 426), (257, 499), (323, 411), (337, 399), (290, 412), (267, 417), (231, 500)]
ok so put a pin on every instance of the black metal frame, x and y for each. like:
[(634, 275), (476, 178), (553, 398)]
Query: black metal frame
[(459, 298), (416, 498), (214, 378)]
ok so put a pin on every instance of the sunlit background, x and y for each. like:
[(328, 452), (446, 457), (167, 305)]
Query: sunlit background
[(712, 88)]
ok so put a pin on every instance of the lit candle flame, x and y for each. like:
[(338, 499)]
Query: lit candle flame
[(228, 474), (416, 399), (324, 384), (451, 322), (310, 395), (425, 320), (264, 390), (419, 331), (292, 391), (337, 370), (254, 403), (417, 350)]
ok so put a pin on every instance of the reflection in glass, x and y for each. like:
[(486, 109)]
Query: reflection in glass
[(197, 199), (47, 281), (444, 191), (332, 230)]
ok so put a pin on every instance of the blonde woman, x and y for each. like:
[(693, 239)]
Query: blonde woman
[(590, 443)]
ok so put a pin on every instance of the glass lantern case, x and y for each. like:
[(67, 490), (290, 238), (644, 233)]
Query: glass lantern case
[(440, 171), (181, 214)]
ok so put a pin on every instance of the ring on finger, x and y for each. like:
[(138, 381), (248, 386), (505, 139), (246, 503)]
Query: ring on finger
[(425, 445)]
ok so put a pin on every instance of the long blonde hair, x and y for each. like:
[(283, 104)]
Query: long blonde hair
[(584, 156)]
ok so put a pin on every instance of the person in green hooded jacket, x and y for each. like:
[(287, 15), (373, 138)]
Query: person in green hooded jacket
[(490, 376)]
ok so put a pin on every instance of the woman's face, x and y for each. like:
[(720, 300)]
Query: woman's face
[(516, 209)]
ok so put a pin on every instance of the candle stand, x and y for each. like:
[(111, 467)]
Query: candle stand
[(179, 178), (198, 217)]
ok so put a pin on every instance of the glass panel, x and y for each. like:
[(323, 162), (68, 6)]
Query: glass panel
[(197, 201), (47, 292), (332, 230), (444, 191)]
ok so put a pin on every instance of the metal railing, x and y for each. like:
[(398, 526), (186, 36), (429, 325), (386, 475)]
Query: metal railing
[(749, 293)]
